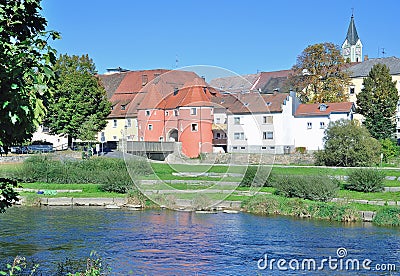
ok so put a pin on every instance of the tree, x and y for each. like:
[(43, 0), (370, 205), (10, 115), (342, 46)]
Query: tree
[(347, 144), (79, 99), (25, 76), (25, 69), (377, 102), (318, 76)]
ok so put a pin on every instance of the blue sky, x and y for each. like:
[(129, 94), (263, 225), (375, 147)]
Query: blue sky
[(241, 36)]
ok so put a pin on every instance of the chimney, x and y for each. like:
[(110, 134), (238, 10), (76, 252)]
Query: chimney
[(365, 57)]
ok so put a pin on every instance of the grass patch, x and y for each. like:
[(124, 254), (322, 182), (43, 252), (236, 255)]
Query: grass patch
[(388, 196), (277, 205)]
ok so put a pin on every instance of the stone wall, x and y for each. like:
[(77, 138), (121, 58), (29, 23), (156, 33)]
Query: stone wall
[(244, 158)]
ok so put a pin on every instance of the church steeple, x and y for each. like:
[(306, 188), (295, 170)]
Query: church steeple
[(352, 46), (352, 36)]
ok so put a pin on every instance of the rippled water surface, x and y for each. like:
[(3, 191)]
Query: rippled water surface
[(183, 243)]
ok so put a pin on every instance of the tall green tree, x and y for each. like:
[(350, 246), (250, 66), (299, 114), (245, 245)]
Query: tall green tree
[(318, 76), (377, 102), (26, 75), (79, 99), (347, 144)]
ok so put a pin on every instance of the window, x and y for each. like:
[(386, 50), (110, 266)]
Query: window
[(242, 148), (236, 120), (145, 80), (115, 123), (271, 148), (176, 113), (268, 135), (115, 138), (147, 112), (193, 111), (264, 148), (150, 127), (128, 122), (322, 125), (161, 139), (218, 135), (141, 139), (123, 106), (194, 127), (218, 120), (352, 89), (238, 136), (166, 113), (112, 107), (45, 129), (235, 148), (309, 125), (268, 120)]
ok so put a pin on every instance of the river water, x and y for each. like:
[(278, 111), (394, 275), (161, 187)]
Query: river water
[(154, 242)]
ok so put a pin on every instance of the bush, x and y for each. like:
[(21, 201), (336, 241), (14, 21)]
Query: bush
[(313, 187), (388, 216), (365, 180), (257, 176), (301, 150), (111, 173), (390, 149), (349, 145), (262, 204)]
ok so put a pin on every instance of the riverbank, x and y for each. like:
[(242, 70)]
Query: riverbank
[(258, 204)]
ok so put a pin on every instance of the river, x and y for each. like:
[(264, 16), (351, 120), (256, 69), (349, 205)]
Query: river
[(155, 242)]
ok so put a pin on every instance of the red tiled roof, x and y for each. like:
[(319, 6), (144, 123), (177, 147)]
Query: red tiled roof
[(193, 93), (134, 81), (314, 109), (118, 100), (253, 102), (165, 85), (266, 76)]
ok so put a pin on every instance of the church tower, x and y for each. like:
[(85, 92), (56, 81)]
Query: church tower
[(352, 46)]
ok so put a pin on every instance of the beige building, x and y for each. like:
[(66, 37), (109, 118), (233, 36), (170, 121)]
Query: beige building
[(361, 70)]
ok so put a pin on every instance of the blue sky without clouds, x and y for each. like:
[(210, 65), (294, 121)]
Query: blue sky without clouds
[(242, 36)]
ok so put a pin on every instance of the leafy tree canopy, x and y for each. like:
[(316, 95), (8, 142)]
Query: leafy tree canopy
[(80, 106), (347, 144), (318, 74), (377, 102), (25, 69)]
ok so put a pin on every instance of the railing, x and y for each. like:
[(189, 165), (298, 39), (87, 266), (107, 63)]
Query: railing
[(143, 146), (219, 141)]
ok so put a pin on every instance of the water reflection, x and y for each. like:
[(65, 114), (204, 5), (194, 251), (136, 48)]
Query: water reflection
[(182, 243)]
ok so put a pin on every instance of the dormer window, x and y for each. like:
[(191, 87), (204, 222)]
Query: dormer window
[(145, 80), (322, 107), (123, 106), (268, 103)]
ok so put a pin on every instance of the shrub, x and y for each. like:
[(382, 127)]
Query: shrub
[(390, 149), (257, 176), (262, 204), (111, 173), (301, 150), (313, 187), (365, 180), (388, 216), (349, 145)]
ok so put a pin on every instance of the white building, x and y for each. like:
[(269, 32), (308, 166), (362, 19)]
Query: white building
[(311, 121), (259, 123), (43, 134)]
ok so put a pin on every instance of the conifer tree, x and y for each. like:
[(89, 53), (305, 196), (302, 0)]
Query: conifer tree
[(377, 102)]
